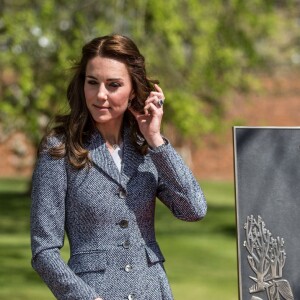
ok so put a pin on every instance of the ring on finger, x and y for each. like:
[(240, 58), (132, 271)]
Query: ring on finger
[(160, 102)]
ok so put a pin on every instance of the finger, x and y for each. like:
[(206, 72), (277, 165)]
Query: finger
[(158, 101), (142, 119), (158, 88), (135, 113), (152, 99), (152, 109), (157, 94)]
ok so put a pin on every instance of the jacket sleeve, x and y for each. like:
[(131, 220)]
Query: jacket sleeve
[(49, 187), (177, 187)]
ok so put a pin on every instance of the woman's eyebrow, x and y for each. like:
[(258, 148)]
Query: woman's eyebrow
[(109, 79), (90, 76), (114, 79)]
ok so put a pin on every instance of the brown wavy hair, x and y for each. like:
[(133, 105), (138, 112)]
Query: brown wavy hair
[(76, 127)]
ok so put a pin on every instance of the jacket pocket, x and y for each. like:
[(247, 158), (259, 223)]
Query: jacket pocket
[(154, 253), (88, 262)]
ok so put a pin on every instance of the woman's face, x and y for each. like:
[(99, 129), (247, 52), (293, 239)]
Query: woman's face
[(107, 89)]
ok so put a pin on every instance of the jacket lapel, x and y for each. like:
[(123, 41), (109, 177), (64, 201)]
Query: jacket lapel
[(101, 157), (131, 159)]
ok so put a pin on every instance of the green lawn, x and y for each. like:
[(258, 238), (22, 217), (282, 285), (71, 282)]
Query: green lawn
[(200, 257)]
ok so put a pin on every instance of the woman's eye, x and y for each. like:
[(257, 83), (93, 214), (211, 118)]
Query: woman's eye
[(114, 84), (92, 82)]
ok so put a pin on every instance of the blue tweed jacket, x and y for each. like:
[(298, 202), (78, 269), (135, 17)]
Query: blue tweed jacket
[(109, 219)]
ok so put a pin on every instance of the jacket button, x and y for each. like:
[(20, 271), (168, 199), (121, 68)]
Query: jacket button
[(131, 297), (128, 268), (126, 244), (123, 223), (122, 194)]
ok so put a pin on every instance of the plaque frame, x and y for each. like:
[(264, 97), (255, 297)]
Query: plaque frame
[(241, 220)]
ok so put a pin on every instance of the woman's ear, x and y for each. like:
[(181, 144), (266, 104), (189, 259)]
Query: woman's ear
[(132, 95), (129, 103)]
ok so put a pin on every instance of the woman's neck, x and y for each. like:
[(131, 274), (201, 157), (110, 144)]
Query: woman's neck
[(111, 133)]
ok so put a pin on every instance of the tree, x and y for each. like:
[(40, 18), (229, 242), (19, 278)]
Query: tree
[(266, 258), (199, 50)]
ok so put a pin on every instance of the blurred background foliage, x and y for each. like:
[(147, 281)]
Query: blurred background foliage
[(199, 50)]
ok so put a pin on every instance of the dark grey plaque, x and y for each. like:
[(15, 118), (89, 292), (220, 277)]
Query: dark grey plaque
[(267, 184)]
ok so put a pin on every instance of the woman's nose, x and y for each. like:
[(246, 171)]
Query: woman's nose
[(102, 92)]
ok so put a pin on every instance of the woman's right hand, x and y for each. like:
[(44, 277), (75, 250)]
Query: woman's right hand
[(98, 299), (149, 122)]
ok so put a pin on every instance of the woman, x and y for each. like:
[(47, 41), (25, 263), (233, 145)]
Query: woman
[(98, 174)]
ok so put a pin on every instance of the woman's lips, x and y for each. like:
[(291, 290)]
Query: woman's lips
[(101, 107)]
